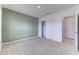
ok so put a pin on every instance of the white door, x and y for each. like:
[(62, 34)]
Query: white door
[(69, 27)]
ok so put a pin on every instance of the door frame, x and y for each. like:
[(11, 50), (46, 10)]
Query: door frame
[(76, 38)]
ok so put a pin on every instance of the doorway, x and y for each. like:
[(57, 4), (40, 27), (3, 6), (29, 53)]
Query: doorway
[(44, 29), (68, 27)]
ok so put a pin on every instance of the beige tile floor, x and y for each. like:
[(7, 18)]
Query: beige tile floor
[(39, 46)]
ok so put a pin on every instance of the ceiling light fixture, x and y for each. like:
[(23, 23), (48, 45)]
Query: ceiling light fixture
[(38, 6)]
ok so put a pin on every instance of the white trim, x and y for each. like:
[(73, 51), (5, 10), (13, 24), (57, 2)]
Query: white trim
[(76, 34), (0, 27), (19, 40)]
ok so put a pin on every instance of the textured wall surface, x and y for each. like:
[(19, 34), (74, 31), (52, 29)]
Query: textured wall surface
[(16, 26)]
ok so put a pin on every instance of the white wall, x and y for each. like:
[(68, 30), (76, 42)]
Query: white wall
[(0, 27), (54, 24), (54, 28)]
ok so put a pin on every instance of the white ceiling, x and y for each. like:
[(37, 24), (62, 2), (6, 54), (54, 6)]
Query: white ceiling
[(30, 9)]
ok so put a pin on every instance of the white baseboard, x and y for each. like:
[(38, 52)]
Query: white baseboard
[(19, 40)]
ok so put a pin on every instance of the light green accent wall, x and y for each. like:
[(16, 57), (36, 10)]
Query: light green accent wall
[(16, 26)]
